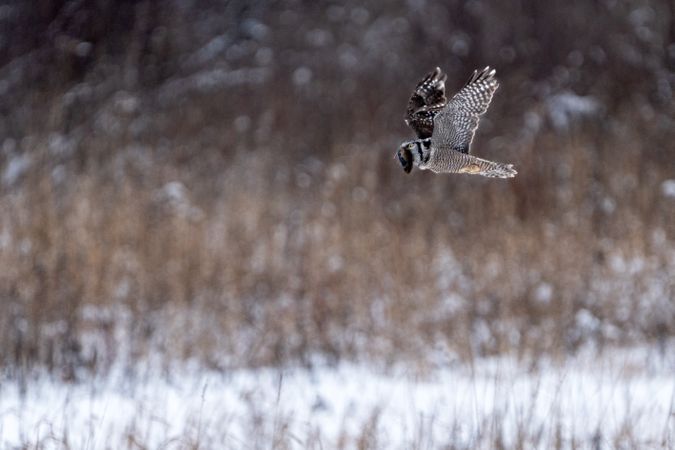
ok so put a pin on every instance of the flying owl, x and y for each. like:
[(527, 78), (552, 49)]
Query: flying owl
[(445, 128)]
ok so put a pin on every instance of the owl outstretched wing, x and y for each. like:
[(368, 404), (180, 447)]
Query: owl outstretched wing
[(456, 124), (427, 100)]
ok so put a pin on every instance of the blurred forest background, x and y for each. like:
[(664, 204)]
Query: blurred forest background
[(214, 180)]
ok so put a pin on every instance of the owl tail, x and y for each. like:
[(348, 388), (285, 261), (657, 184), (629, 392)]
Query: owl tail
[(500, 171), (487, 168)]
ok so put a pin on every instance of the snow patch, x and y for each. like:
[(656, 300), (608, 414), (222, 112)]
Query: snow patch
[(567, 107), (15, 168), (668, 188), (583, 397), (302, 75)]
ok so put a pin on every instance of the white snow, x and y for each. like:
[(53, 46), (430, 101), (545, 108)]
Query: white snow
[(302, 75), (668, 188), (15, 168), (586, 398), (210, 80), (543, 293), (176, 197), (566, 107)]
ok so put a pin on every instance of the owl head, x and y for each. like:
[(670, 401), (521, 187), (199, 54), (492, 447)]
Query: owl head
[(405, 156)]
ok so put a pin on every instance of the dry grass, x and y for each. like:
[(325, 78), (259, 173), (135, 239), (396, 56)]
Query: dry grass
[(271, 262), (182, 201)]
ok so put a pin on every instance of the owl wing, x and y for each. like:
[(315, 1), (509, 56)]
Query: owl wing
[(427, 100), (456, 124)]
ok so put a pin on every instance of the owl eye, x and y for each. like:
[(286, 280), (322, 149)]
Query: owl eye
[(410, 146)]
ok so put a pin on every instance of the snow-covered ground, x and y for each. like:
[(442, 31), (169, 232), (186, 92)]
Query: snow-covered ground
[(588, 400)]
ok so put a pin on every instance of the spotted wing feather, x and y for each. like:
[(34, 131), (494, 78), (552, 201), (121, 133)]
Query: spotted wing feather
[(427, 100), (457, 122)]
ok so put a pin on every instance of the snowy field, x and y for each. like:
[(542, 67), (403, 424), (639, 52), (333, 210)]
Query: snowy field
[(622, 401)]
